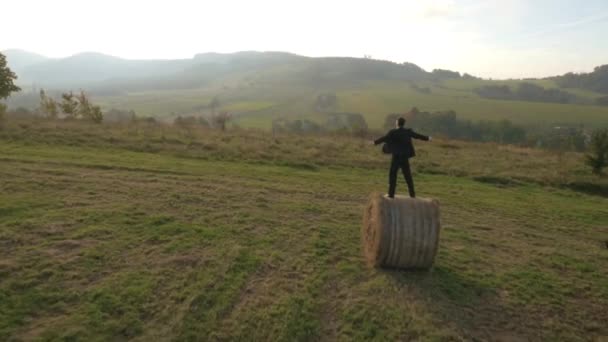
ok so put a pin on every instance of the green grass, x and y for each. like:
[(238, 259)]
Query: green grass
[(248, 106), (160, 104), (468, 106), (255, 106), (111, 233)]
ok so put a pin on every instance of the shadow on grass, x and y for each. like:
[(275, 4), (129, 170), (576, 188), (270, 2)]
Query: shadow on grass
[(501, 182), (469, 303), (589, 188), (443, 283)]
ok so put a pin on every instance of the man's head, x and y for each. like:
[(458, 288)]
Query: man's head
[(400, 122)]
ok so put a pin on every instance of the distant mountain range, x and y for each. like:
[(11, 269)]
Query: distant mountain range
[(18, 60), (108, 74), (85, 68), (103, 72)]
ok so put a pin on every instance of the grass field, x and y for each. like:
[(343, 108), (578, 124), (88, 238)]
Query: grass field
[(153, 233), (468, 106), (256, 106)]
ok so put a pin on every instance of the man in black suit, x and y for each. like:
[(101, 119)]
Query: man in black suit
[(399, 144)]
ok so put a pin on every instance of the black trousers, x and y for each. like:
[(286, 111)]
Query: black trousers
[(402, 162)]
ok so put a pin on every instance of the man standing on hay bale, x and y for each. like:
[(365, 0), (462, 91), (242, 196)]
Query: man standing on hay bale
[(398, 142)]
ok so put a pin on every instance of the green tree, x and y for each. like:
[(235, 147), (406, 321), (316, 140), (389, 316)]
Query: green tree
[(7, 78), (598, 156), (48, 106), (69, 105), (95, 114), (84, 105), (86, 110)]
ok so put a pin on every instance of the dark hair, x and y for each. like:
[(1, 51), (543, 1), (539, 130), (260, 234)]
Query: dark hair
[(401, 122)]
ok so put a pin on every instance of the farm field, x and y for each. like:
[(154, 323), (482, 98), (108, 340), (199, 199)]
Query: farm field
[(257, 106), (148, 232)]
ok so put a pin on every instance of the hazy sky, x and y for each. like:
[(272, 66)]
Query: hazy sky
[(489, 38)]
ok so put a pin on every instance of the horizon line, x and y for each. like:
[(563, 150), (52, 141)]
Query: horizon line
[(285, 52)]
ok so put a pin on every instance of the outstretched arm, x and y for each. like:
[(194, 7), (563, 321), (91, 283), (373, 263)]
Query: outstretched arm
[(382, 139), (420, 136)]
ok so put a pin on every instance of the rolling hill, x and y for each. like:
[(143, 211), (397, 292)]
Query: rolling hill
[(84, 69), (258, 87), (20, 60)]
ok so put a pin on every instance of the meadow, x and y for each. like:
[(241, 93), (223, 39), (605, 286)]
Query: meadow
[(150, 232), (258, 104)]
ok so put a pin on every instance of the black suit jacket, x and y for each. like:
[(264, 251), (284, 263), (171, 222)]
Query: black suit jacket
[(399, 141)]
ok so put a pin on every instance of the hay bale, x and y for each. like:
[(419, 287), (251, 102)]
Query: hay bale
[(402, 232)]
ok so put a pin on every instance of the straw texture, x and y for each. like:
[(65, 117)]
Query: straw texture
[(402, 232)]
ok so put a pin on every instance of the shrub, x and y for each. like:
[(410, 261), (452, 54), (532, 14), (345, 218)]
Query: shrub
[(448, 125), (326, 101), (190, 121), (221, 119), (598, 156), (602, 101), (48, 106), (353, 123)]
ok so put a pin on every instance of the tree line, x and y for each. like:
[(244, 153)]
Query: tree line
[(526, 92), (597, 80)]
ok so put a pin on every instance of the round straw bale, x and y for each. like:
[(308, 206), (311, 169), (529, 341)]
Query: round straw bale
[(401, 232)]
